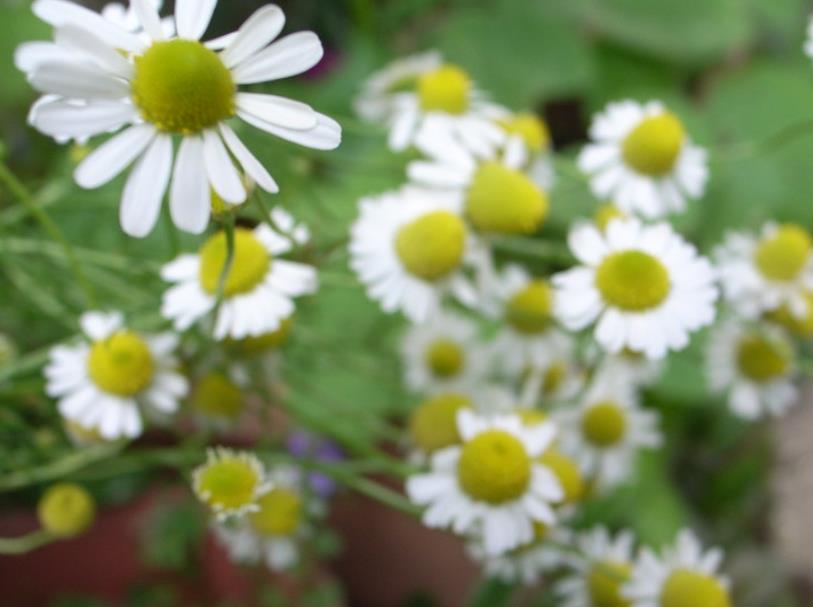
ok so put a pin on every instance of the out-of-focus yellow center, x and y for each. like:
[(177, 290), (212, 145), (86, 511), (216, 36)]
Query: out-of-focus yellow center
[(653, 147), (530, 128), (432, 246), (605, 214), (567, 473), (530, 310), (604, 424), (446, 89), (249, 267), (494, 467), (122, 364), (228, 483), (761, 359), (686, 588), (216, 395), (66, 510), (504, 201), (604, 582), (784, 254), (280, 513), (445, 358), (433, 425), (799, 325), (633, 281)]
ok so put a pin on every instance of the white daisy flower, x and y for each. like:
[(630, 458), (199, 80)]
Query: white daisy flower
[(642, 159), (492, 484), (126, 17), (767, 273), (411, 248), (273, 532), (645, 287), (599, 568), (494, 190), (534, 134), (421, 94), (754, 366), (218, 399), (169, 88), (230, 482), (257, 293), (683, 576), (606, 431), (433, 424), (443, 355), (107, 382)]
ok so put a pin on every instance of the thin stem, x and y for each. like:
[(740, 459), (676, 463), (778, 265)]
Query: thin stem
[(24, 196), (26, 543), (228, 229)]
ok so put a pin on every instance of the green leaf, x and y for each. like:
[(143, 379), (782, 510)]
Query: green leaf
[(493, 593)]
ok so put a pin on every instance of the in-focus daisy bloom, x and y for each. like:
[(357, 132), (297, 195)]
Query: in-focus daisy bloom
[(768, 273), (421, 94), (114, 376), (604, 433), (411, 248), (754, 366), (492, 485), (444, 354), (170, 88), (230, 482), (644, 287), (433, 423), (682, 576), (598, 570), (272, 533), (257, 292), (495, 191), (642, 159)]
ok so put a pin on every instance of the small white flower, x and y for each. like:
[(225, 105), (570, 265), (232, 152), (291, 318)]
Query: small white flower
[(534, 134), (421, 94), (604, 433), (632, 366), (258, 290), (230, 482), (809, 41), (683, 576), (166, 88), (645, 287), (411, 248), (768, 273), (492, 485), (443, 355), (599, 567), (273, 532), (754, 367), (642, 159), (107, 382)]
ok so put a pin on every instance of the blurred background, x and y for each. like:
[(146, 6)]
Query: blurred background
[(735, 72)]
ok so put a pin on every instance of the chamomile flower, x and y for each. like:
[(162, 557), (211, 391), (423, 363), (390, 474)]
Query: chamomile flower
[(126, 17), (494, 191), (598, 571), (114, 376), (273, 532), (257, 292), (634, 367), (433, 424), (644, 287), (218, 399), (606, 430), (422, 94), (797, 324), (230, 482), (492, 485), (642, 159), (754, 367), (411, 248), (172, 88), (767, 273), (682, 576), (534, 134), (443, 354)]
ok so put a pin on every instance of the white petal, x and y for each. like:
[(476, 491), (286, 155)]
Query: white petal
[(141, 201), (248, 161), (100, 325), (256, 33), (77, 81), (29, 55), (222, 175), (278, 110), (289, 56), (114, 156), (190, 199), (192, 17), (60, 118), (61, 12), (326, 136), (94, 48), (147, 14)]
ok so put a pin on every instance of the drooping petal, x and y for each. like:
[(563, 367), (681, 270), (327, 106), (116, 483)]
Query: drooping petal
[(141, 201), (220, 169), (114, 156), (190, 198), (248, 161)]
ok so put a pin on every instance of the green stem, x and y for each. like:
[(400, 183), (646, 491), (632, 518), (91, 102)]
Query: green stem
[(26, 543), (534, 247), (24, 196)]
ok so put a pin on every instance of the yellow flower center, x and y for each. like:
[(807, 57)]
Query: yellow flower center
[(633, 281), (652, 148), (433, 425), (802, 326), (530, 310), (554, 378), (761, 359), (532, 417), (66, 510), (686, 588), (249, 267), (604, 582), (568, 474), (445, 358), (431, 247), (180, 86), (228, 482), (446, 89), (505, 201), (280, 513), (217, 396), (122, 364), (530, 128), (783, 255), (605, 214), (604, 424), (494, 467)]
